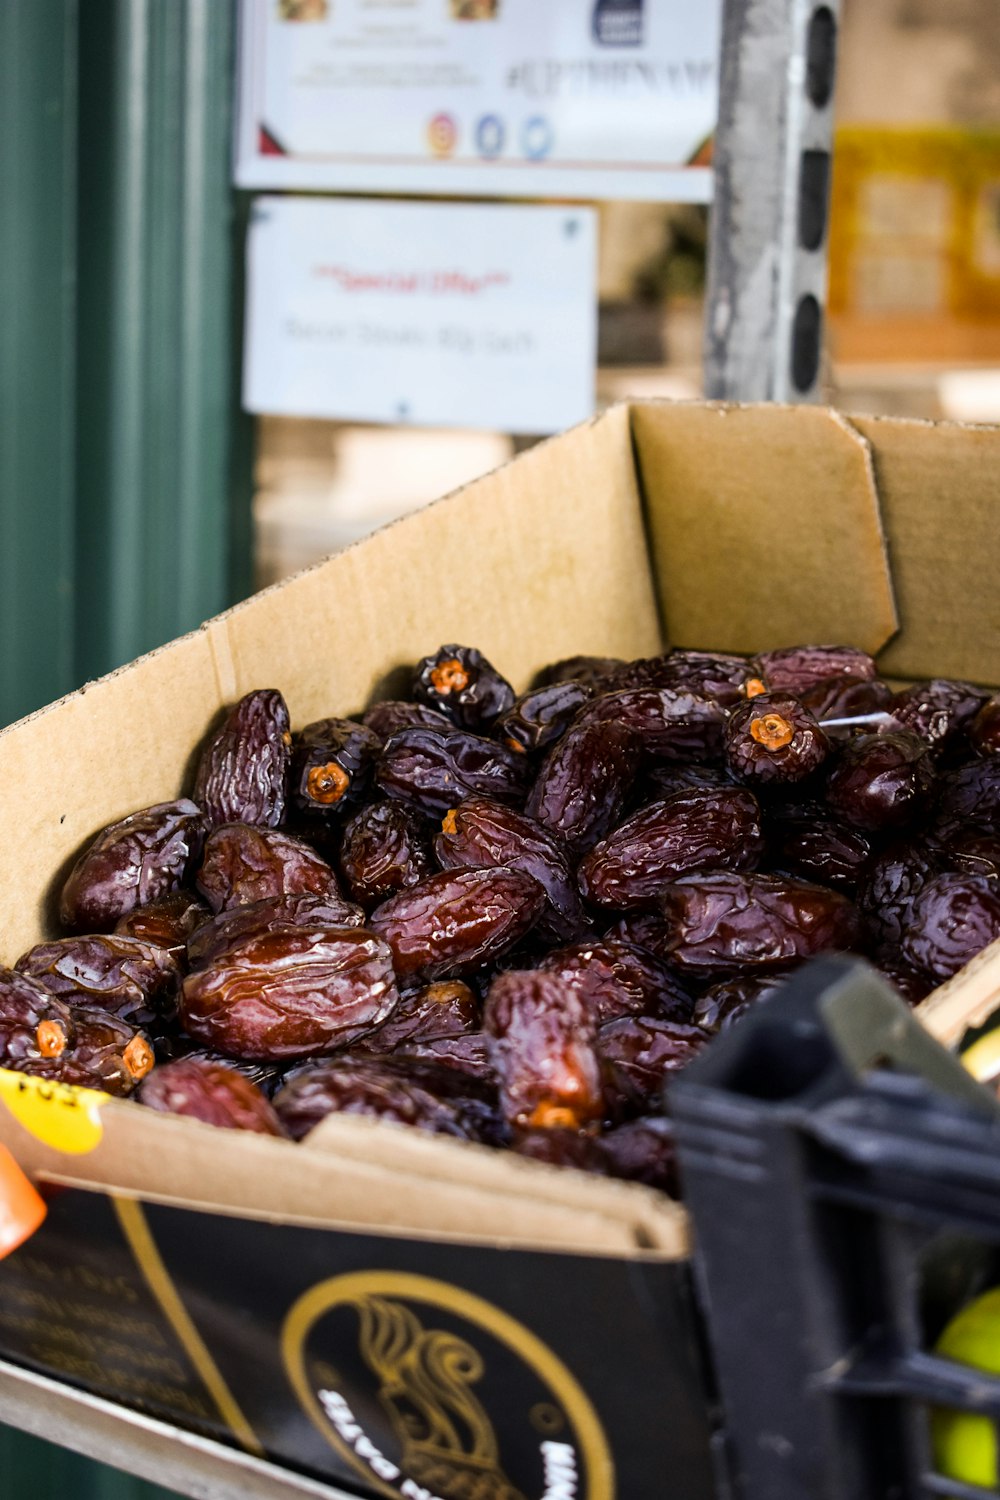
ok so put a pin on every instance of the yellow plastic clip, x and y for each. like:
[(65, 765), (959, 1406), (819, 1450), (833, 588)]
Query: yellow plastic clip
[(57, 1114)]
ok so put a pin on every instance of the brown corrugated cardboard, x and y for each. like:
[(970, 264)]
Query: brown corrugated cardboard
[(698, 525)]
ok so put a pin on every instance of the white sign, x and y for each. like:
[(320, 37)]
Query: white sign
[(524, 98), (440, 314)]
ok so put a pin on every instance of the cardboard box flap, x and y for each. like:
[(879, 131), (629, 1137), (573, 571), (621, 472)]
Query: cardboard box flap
[(367, 1175), (542, 559), (965, 1001), (939, 488), (764, 527)]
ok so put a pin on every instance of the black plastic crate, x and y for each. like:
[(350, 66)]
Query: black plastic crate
[(843, 1171)]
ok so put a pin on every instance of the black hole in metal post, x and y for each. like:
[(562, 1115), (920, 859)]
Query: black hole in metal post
[(821, 56), (806, 331), (814, 183)]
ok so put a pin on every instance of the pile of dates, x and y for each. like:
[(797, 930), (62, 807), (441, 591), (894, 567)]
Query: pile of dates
[(510, 918)]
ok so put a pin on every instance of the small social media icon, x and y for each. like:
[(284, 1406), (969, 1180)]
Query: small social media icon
[(442, 134), (536, 137), (490, 136)]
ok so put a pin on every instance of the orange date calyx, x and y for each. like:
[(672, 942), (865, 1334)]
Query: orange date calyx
[(772, 731), (50, 1038), (449, 676), (328, 783)]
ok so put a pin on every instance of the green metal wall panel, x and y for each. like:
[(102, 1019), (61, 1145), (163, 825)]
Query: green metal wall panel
[(33, 1470), (159, 429), (37, 350)]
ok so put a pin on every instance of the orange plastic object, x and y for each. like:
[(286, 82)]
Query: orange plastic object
[(21, 1208)]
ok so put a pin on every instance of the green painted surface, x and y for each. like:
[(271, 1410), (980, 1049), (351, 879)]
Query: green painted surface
[(162, 475), (124, 461), (37, 350)]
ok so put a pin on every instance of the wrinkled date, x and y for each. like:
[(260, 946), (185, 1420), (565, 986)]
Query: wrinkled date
[(881, 781), (543, 1051), (431, 772), (583, 782), (773, 738), (937, 711), (297, 992), (166, 923), (242, 865), (459, 682), (332, 765), (951, 919), (386, 848), (120, 975), (798, 669), (104, 1052), (805, 841), (638, 1053), (616, 979), (275, 914), (446, 1008), (402, 1092), (393, 715), (721, 923), (33, 1023), (542, 715), (670, 724), (695, 830), (480, 833), (144, 856), (711, 674), (455, 921), (211, 1092), (243, 771)]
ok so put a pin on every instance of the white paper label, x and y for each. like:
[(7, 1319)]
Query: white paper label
[(531, 98), (439, 314)]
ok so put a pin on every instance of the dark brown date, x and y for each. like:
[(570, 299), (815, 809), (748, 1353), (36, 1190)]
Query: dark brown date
[(332, 765), (638, 1054), (846, 698), (971, 792), (394, 714), (298, 992), (642, 1150), (242, 865), (119, 975), (431, 772), (893, 881), (710, 674), (798, 669), (242, 775), (446, 1008), (275, 914), (618, 979), (881, 781), (938, 711), (458, 681), (670, 724), (211, 1092), (166, 923), (144, 856), (773, 738), (469, 1054), (583, 783), (692, 830), (452, 922), (480, 833), (540, 716), (984, 731), (724, 923), (664, 780), (33, 1022), (806, 841), (912, 984), (400, 1091), (104, 1052), (561, 1148), (386, 848), (951, 919), (641, 929), (592, 671), (543, 1051), (721, 1005)]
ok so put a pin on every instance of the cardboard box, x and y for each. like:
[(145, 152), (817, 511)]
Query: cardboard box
[(405, 1313)]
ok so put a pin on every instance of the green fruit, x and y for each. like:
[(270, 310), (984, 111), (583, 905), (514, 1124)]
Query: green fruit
[(965, 1446)]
